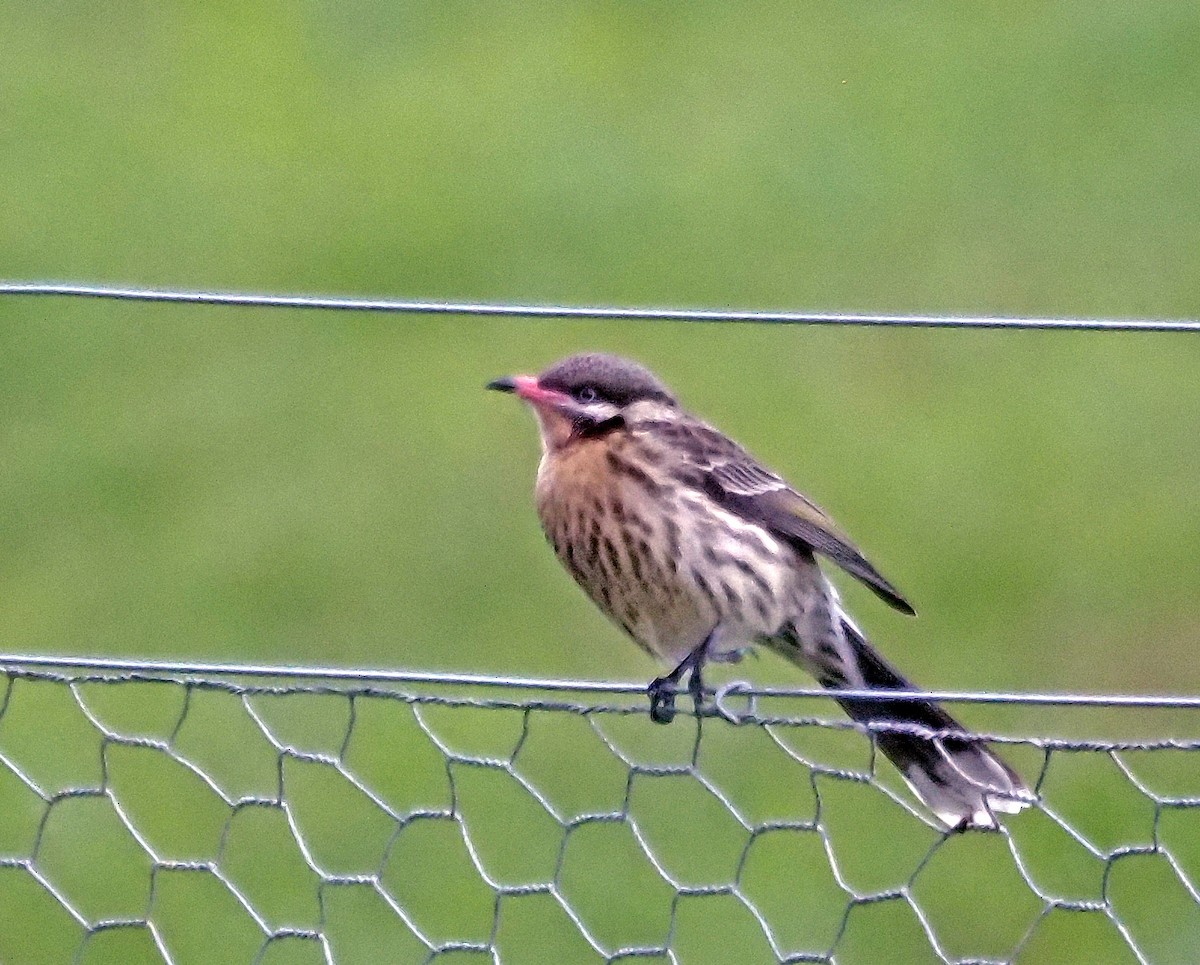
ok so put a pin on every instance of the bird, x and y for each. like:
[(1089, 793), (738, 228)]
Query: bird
[(699, 553)]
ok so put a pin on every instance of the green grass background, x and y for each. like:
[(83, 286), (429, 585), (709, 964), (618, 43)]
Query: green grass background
[(337, 489)]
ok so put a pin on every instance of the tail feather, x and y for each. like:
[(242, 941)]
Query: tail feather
[(961, 780)]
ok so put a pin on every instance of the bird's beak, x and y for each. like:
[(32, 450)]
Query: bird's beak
[(527, 387)]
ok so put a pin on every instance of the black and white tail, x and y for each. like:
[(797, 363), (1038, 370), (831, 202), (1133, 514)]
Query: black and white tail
[(960, 780)]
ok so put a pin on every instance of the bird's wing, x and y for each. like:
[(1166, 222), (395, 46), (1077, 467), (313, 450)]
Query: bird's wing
[(737, 482)]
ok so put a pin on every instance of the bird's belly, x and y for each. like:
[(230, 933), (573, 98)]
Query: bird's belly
[(748, 576), (668, 566)]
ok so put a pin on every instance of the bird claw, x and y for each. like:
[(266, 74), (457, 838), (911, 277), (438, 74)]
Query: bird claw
[(662, 695), (663, 691)]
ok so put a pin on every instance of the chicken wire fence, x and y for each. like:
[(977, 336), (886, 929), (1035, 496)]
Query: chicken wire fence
[(203, 817)]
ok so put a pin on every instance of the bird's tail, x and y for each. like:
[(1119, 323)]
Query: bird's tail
[(959, 779)]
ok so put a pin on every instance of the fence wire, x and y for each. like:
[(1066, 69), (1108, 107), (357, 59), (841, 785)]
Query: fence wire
[(603, 313), (167, 815)]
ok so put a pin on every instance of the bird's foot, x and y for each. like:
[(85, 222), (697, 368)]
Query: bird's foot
[(663, 690), (662, 693)]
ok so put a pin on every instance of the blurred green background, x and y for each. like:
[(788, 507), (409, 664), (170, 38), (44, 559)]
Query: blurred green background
[(317, 488)]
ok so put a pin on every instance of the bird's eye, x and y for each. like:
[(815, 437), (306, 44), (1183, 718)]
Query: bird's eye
[(586, 394)]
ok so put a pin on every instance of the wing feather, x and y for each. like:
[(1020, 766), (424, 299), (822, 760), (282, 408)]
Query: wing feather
[(743, 486)]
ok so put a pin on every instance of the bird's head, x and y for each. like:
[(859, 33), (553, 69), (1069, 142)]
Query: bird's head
[(588, 395)]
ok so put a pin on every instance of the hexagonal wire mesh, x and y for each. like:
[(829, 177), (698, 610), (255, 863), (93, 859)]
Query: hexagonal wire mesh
[(193, 816)]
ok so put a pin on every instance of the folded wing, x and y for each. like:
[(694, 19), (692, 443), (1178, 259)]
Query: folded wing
[(733, 478)]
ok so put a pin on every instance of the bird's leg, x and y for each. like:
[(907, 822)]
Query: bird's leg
[(662, 693), (695, 682), (662, 690)]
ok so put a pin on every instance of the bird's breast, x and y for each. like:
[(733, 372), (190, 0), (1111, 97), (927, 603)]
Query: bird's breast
[(658, 558)]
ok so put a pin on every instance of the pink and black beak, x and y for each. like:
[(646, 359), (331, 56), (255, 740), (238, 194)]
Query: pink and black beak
[(528, 388)]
